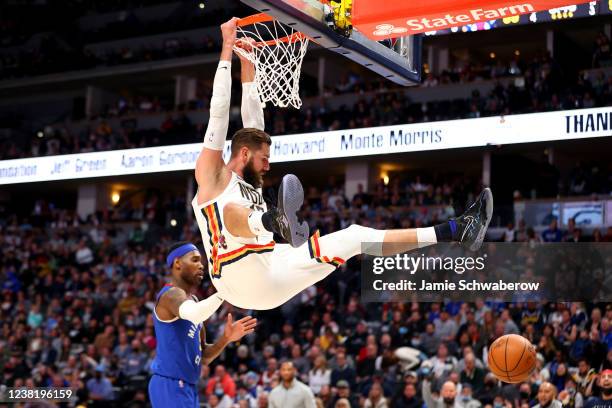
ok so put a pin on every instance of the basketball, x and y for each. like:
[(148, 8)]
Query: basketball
[(512, 358)]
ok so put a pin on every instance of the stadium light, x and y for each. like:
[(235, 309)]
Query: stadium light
[(40, 134), (115, 197), (201, 6), (385, 178), (173, 222)]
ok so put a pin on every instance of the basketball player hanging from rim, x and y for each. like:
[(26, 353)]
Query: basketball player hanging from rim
[(250, 270)]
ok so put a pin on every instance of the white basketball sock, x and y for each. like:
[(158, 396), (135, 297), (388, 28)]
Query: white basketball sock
[(426, 235)]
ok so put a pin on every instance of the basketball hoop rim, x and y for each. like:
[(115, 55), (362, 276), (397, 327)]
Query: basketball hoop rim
[(264, 18)]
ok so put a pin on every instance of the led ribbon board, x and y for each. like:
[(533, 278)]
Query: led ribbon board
[(379, 20)]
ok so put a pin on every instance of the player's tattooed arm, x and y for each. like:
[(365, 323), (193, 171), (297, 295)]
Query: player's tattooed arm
[(170, 302)]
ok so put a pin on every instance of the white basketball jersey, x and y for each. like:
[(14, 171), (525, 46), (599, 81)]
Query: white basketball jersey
[(223, 250)]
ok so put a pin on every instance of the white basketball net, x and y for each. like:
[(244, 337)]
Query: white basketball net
[(277, 56)]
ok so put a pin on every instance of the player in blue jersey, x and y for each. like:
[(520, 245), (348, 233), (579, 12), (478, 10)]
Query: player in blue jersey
[(178, 317)]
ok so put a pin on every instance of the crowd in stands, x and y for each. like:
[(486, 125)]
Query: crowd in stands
[(51, 39), (20, 23), (77, 295), (545, 88), (51, 56)]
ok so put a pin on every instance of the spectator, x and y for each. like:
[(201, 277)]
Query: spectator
[(343, 403), (320, 375), (368, 364), (552, 233), (605, 398), (442, 363), (585, 377), (447, 397), (106, 339), (100, 388), (221, 382), (547, 396), (344, 392), (290, 393), (429, 341), (570, 396), (83, 254), (466, 400), (471, 374), (134, 362), (408, 398), (245, 397), (445, 328), (301, 363), (342, 371), (263, 400), (376, 397), (509, 326)]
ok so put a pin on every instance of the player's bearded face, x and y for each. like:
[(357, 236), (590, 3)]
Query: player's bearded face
[(251, 175), (192, 270)]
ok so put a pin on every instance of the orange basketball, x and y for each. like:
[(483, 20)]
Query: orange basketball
[(512, 358)]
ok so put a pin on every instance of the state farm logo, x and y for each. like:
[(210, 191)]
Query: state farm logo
[(470, 16), (386, 29)]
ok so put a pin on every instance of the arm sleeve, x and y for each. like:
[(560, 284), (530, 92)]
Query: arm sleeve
[(251, 109), (218, 122), (200, 311)]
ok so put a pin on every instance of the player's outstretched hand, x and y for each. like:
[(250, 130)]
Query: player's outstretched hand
[(228, 31), (234, 331)]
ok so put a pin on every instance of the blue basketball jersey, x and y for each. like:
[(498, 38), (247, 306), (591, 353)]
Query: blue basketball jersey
[(179, 350)]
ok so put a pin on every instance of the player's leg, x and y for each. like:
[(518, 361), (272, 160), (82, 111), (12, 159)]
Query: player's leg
[(294, 269), (165, 392), (246, 223), (469, 229), (161, 391)]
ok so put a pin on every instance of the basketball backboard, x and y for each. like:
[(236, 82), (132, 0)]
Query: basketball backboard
[(400, 62)]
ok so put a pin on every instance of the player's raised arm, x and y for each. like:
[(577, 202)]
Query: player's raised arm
[(251, 107), (178, 304), (210, 167)]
